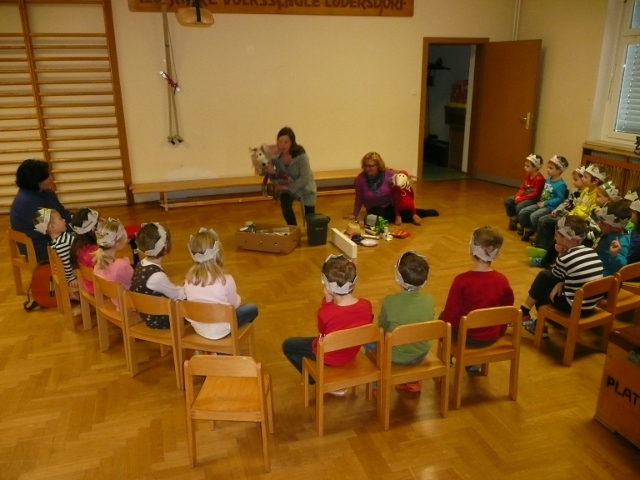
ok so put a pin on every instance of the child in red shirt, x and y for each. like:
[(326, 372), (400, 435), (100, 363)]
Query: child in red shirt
[(339, 310), (529, 192)]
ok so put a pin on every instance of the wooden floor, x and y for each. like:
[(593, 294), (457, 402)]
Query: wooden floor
[(68, 411)]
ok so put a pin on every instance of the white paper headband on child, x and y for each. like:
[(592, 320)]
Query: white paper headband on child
[(407, 286), (209, 253), (611, 190), (556, 161), (109, 240), (567, 232), (160, 244), (483, 253), (44, 216), (605, 217), (534, 160), (631, 196), (89, 224), (635, 206), (333, 286)]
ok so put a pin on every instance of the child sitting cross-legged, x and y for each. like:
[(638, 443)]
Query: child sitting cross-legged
[(154, 241), (408, 306), (339, 310), (49, 222), (480, 287), (575, 266)]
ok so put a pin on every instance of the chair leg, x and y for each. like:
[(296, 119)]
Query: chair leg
[(606, 331), (444, 395), (305, 385), (103, 332), (570, 346), (17, 279), (180, 352), (319, 410), (457, 390), (265, 444), (537, 336), (270, 406), (85, 307), (133, 357), (484, 370), (384, 403), (191, 441), (179, 372), (513, 379)]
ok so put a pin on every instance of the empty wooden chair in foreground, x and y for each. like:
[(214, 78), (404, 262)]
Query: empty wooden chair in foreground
[(19, 261), (506, 348), (135, 328), (629, 294), (435, 365), (359, 371), (574, 323), (87, 299), (107, 312), (62, 289), (235, 389), (205, 312)]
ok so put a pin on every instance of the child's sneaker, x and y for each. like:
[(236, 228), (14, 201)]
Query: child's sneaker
[(473, 368), (339, 393), (527, 234), (409, 387), (520, 230), (527, 320), (531, 328), (513, 223)]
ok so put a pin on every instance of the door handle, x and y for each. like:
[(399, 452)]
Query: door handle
[(526, 120)]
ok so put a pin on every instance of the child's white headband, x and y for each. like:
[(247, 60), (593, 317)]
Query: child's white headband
[(108, 240), (160, 244), (567, 232), (44, 216), (333, 286), (400, 280), (209, 253), (89, 224), (481, 252)]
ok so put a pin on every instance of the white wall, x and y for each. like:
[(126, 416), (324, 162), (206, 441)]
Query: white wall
[(571, 33), (346, 85)]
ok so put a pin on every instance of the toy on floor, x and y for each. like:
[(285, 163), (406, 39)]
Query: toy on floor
[(403, 197)]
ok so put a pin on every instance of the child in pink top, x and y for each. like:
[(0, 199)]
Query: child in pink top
[(84, 223), (111, 238)]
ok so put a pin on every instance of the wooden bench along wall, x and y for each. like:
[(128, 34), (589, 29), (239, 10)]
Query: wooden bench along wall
[(344, 177)]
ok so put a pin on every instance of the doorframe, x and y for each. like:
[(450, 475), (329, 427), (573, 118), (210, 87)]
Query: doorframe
[(426, 43)]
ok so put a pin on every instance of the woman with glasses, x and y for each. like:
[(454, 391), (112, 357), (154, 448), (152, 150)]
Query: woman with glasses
[(373, 191)]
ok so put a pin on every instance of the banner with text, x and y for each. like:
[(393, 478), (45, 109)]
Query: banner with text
[(377, 8)]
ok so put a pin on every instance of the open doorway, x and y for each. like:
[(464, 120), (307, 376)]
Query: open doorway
[(447, 90)]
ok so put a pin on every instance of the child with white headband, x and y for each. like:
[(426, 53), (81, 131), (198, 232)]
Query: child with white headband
[(553, 194), (154, 241), (480, 287), (633, 255), (529, 192), (49, 222), (339, 310), (112, 238), (406, 307), (575, 266), (207, 281), (613, 243), (84, 224)]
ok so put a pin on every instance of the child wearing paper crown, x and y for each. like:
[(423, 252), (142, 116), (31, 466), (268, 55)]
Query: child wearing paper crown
[(480, 287), (613, 244), (84, 224), (340, 310), (529, 192), (606, 193), (207, 281), (49, 222), (112, 238), (633, 254), (154, 241), (553, 194), (406, 307), (575, 266)]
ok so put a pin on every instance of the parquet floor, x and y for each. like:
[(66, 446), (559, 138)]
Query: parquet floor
[(68, 411)]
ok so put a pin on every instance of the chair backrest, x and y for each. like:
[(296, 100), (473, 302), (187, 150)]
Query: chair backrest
[(14, 237), (84, 273), (350, 337), (222, 366), (606, 285), (628, 272), (206, 312), (57, 272), (487, 317), (149, 304), (417, 332), (105, 290)]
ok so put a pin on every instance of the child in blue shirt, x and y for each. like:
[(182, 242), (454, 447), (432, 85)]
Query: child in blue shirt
[(605, 195), (553, 194), (613, 244)]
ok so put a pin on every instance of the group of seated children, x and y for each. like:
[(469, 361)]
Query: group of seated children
[(481, 287), (593, 199), (96, 242)]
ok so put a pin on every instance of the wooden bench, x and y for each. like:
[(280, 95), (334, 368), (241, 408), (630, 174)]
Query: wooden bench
[(343, 180)]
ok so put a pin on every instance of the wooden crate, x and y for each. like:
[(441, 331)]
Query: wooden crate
[(619, 399)]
